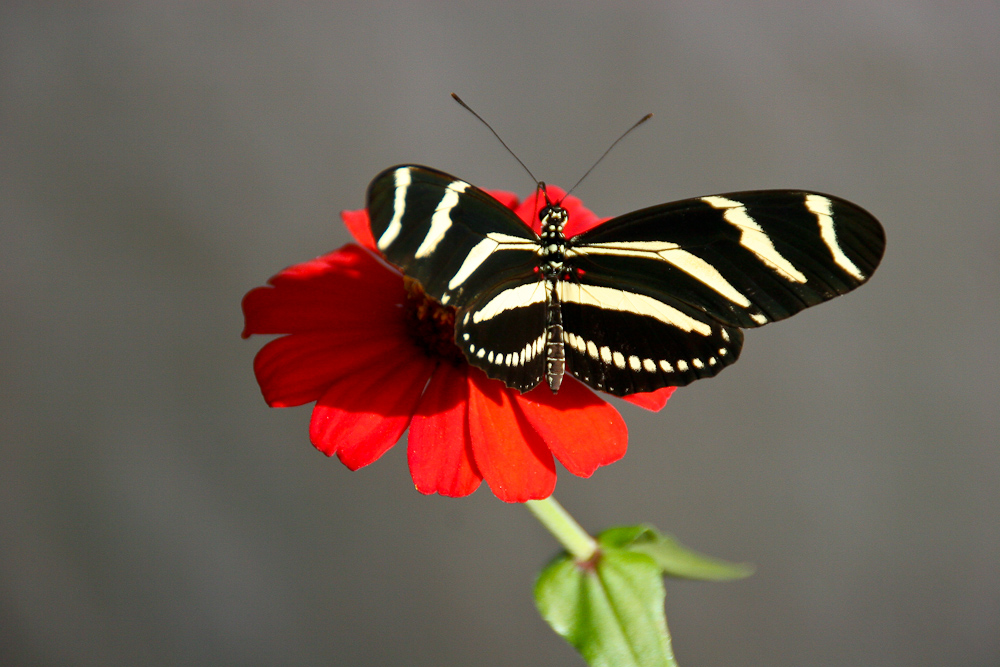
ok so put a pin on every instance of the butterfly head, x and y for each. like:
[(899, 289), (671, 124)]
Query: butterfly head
[(553, 214)]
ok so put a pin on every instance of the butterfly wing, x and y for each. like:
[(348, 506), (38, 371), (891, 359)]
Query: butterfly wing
[(621, 341), (454, 239), (658, 294), (744, 259), (467, 250)]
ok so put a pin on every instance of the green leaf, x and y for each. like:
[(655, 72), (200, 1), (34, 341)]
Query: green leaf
[(673, 559), (610, 608)]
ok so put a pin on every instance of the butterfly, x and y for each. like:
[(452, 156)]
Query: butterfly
[(654, 298)]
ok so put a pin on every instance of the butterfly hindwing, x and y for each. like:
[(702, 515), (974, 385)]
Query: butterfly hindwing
[(502, 332), (622, 342)]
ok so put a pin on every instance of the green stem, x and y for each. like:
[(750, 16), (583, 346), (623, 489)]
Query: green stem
[(564, 528)]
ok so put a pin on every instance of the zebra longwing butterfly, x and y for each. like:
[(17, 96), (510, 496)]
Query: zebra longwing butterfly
[(650, 299)]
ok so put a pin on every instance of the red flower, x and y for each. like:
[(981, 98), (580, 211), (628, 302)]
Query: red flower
[(377, 356)]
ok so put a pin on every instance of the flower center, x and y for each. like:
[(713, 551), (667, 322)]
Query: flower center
[(432, 325)]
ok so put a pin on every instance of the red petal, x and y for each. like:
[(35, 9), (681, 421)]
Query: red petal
[(511, 456), (581, 429), (652, 400), (347, 288), (440, 449), (298, 369), (359, 226), (581, 218), (364, 414)]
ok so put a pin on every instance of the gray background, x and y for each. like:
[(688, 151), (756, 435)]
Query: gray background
[(159, 161)]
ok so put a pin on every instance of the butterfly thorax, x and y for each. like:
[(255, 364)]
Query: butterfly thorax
[(552, 249)]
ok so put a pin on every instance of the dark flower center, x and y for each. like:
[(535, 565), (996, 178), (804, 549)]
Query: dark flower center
[(432, 325)]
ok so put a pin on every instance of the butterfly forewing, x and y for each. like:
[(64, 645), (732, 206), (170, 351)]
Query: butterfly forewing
[(744, 259), (452, 237)]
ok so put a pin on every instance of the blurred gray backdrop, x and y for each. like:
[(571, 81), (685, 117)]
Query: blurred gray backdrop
[(159, 160)]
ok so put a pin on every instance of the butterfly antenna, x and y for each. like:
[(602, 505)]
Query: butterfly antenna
[(605, 154), (502, 142)]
